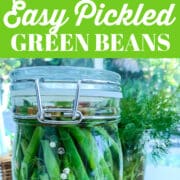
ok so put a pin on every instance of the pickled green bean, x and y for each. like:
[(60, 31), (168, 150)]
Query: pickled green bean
[(115, 150), (27, 132), (84, 143), (102, 170), (31, 152), (76, 162), (44, 176), (24, 145), (66, 164), (108, 158), (50, 160), (34, 175), (18, 156), (89, 147)]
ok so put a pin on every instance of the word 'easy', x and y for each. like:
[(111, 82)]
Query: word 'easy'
[(85, 10)]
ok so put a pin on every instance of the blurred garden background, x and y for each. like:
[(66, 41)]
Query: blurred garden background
[(150, 110)]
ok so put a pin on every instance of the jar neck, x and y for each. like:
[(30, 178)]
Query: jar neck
[(90, 110)]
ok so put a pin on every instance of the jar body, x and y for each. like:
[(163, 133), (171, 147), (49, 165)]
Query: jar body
[(66, 124), (74, 152)]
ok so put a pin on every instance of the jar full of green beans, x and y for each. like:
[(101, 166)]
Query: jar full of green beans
[(67, 124)]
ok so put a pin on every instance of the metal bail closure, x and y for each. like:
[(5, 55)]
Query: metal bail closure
[(73, 113)]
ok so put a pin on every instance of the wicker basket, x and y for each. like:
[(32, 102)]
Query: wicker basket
[(5, 168)]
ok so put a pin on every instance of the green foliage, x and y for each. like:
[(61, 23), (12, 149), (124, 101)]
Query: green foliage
[(7, 65), (162, 72), (150, 111), (155, 115)]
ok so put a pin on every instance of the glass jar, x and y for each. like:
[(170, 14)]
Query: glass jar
[(67, 121)]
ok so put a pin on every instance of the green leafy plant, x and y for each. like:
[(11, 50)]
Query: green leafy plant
[(147, 120), (149, 114)]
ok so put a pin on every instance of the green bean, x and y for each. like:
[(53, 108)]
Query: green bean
[(44, 176), (103, 172), (108, 138), (50, 160), (18, 156), (84, 143), (71, 176), (90, 149), (66, 164), (108, 158), (115, 150), (51, 134), (76, 162), (18, 159), (24, 145), (34, 175), (27, 131), (103, 148), (31, 152)]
